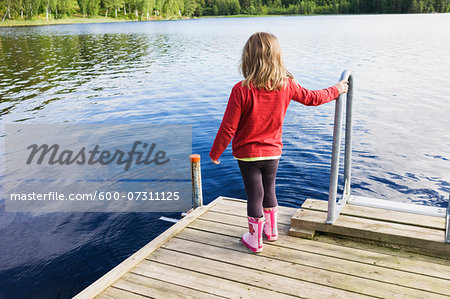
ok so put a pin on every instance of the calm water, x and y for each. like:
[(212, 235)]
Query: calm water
[(182, 72)]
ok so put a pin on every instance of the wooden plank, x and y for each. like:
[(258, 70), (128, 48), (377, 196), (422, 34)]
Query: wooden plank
[(244, 268), (397, 206), (309, 232), (325, 283), (237, 220), (302, 233), (329, 262), (376, 247), (202, 282), (240, 208), (154, 288), (380, 214), (401, 260), (239, 200), (241, 214), (103, 282), (225, 229), (237, 209), (114, 293), (394, 233)]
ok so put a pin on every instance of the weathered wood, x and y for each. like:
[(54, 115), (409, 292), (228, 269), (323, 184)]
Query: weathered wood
[(239, 214), (302, 233), (380, 214), (394, 233), (205, 258), (155, 288), (228, 229), (114, 293), (236, 220), (238, 207), (244, 268), (103, 282), (196, 177), (322, 261), (324, 279), (377, 247), (202, 282), (400, 260)]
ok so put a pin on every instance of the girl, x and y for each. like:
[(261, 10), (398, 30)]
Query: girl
[(254, 117)]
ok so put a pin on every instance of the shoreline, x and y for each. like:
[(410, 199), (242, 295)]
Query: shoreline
[(98, 19), (63, 21)]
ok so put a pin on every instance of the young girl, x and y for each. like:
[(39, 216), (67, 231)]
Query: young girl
[(254, 117)]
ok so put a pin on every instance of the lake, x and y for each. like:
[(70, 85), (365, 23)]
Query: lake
[(182, 72)]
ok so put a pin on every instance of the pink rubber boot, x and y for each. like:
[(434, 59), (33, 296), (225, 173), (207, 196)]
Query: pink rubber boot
[(270, 225), (253, 238)]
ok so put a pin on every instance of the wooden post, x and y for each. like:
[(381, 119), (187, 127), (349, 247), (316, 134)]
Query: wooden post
[(197, 196)]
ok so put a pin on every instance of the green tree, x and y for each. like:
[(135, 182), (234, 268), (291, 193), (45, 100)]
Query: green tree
[(143, 9), (190, 7), (31, 8), (146, 8), (49, 6), (82, 4), (93, 6), (63, 6), (234, 7), (159, 4)]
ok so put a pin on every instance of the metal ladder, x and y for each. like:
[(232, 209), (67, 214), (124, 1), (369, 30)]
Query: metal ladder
[(335, 206)]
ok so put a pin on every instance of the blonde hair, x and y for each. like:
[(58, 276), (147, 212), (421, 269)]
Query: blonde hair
[(262, 63)]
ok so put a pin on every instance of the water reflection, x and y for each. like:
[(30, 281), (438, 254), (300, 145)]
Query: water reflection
[(175, 72)]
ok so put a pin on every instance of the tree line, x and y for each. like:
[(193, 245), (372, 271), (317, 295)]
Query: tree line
[(169, 9)]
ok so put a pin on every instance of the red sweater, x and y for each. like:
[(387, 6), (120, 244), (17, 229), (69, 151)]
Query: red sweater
[(255, 118)]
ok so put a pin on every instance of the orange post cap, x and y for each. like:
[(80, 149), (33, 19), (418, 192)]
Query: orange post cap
[(194, 158)]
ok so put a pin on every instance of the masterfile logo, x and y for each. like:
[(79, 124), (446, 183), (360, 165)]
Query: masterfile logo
[(52, 155), (97, 168)]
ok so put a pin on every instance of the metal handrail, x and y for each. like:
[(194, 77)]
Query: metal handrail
[(334, 208)]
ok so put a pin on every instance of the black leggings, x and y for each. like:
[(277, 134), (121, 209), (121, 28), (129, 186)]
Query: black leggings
[(259, 182)]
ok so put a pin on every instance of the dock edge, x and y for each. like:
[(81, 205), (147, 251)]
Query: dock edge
[(114, 274)]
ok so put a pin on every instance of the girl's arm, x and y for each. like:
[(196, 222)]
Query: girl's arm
[(317, 97), (228, 126)]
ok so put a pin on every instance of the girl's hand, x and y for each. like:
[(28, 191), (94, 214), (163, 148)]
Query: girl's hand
[(215, 161), (342, 86)]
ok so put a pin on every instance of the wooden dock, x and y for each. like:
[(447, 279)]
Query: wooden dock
[(201, 256), (412, 232)]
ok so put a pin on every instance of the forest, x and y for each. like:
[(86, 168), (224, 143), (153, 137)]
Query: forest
[(174, 9)]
